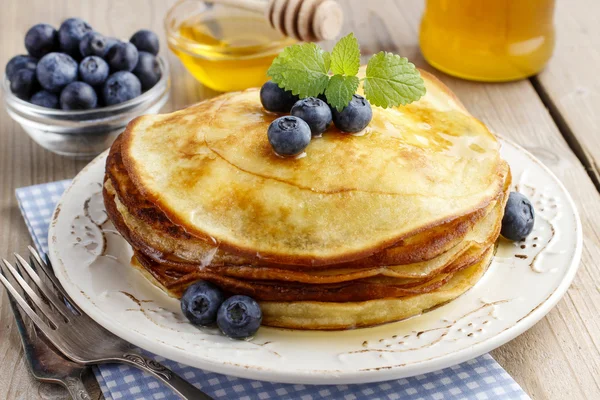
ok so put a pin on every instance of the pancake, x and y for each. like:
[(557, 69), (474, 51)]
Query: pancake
[(211, 171), (159, 234), (318, 315), (362, 230), (350, 315), (357, 290), (363, 284), (481, 236)]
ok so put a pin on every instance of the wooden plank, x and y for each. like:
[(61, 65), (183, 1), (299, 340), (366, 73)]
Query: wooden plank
[(557, 358), (570, 84)]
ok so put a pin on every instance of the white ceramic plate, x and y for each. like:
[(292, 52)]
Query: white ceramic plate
[(523, 283)]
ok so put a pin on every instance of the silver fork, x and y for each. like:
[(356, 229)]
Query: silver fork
[(45, 363), (79, 337)]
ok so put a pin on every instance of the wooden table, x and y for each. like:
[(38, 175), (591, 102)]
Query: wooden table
[(553, 115)]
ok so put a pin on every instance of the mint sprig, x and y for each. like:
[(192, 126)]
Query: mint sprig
[(304, 69)]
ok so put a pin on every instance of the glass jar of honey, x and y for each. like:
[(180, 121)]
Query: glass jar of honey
[(223, 47), (488, 40)]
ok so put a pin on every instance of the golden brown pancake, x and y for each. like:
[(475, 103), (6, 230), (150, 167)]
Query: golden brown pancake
[(318, 315), (211, 170), (350, 315), (482, 235), (362, 230), (163, 236)]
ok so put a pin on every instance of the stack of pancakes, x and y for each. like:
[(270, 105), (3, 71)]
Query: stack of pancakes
[(361, 230)]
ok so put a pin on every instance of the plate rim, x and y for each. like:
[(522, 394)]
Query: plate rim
[(329, 377)]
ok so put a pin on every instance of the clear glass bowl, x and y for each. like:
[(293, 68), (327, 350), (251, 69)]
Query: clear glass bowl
[(86, 133), (223, 47)]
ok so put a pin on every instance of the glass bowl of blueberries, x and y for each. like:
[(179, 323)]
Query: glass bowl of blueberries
[(76, 90)]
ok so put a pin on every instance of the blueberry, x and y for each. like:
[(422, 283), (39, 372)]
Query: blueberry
[(110, 42), (518, 218), (93, 70), (92, 44), (122, 56), (239, 317), (78, 96), (289, 136), (44, 98), (70, 33), (17, 63), (40, 40), (276, 99), (121, 86), (200, 303), (23, 84), (145, 40), (355, 116), (315, 112), (147, 70), (55, 71)]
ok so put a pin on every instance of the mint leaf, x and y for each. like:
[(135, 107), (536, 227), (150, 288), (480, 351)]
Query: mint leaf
[(345, 56), (391, 80), (327, 59), (302, 69), (340, 90)]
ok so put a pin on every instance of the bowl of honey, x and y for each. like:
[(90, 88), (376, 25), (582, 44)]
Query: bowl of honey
[(223, 47)]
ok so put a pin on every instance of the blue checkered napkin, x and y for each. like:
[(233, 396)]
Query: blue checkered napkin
[(480, 378)]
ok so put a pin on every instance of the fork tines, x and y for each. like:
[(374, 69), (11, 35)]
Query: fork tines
[(38, 262), (57, 313)]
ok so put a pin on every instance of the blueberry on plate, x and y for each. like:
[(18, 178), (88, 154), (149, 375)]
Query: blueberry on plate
[(78, 96), (23, 84), (355, 116), (122, 56), (519, 217), (43, 98), (121, 86), (92, 44), (315, 112), (70, 33), (18, 63), (93, 70), (145, 40), (239, 317), (200, 303), (276, 99), (55, 71), (289, 136), (41, 39), (147, 70)]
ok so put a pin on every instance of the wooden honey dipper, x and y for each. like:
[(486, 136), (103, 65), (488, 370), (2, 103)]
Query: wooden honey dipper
[(304, 20)]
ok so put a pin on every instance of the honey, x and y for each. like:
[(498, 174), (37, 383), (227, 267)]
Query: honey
[(488, 40), (226, 51)]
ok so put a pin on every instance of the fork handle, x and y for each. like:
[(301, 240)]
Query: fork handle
[(76, 388), (180, 386)]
